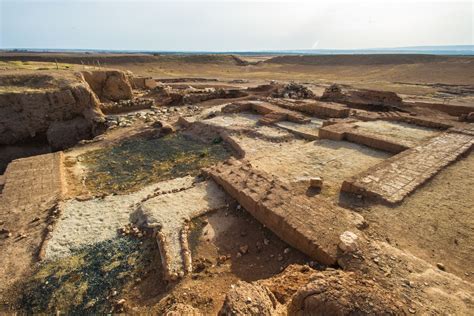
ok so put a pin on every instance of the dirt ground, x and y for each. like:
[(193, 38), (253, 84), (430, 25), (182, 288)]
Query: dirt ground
[(98, 263), (435, 223)]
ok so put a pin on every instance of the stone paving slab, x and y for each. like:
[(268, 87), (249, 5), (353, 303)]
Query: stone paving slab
[(398, 176), (311, 224), (33, 180)]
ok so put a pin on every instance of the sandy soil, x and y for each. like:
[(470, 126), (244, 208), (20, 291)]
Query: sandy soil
[(435, 223), (331, 160), (411, 134)]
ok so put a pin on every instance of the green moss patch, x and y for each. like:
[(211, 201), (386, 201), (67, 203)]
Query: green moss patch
[(139, 162)]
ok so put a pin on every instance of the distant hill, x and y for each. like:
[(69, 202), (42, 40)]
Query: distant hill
[(429, 50)]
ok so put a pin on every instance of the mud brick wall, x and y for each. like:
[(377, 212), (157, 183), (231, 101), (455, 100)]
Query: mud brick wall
[(325, 109), (402, 117), (272, 113), (314, 108), (33, 181), (376, 142), (347, 131), (312, 225), (398, 176)]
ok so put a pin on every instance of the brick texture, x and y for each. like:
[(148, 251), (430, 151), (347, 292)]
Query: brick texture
[(311, 224), (33, 180), (398, 176)]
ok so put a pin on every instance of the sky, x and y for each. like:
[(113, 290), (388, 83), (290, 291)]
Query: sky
[(244, 25)]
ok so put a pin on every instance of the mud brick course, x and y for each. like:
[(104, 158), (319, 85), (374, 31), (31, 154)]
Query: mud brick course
[(315, 108), (312, 225), (33, 180), (348, 131), (402, 117), (271, 113), (398, 176)]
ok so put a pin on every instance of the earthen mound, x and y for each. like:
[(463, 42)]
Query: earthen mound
[(363, 98), (293, 91), (249, 299), (59, 108), (109, 85), (343, 293)]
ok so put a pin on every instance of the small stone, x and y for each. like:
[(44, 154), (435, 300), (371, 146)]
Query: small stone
[(316, 182), (286, 251), (348, 241), (244, 249), (266, 242), (121, 301), (441, 266), (280, 258)]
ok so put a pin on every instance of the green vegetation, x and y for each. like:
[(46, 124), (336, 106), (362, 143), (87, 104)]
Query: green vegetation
[(91, 279), (139, 162)]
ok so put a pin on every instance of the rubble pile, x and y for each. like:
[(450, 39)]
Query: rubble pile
[(293, 90)]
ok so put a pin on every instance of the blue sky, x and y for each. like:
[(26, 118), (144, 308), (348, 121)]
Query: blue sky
[(233, 25)]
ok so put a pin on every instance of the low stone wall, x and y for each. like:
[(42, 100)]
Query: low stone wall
[(398, 176)]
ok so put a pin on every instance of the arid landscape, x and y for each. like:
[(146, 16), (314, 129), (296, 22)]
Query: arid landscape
[(236, 184)]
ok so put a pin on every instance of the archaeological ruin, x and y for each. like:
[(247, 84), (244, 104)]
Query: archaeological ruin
[(226, 196)]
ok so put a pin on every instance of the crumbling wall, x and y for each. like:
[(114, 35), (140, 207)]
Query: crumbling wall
[(109, 85), (143, 83), (28, 111), (366, 99)]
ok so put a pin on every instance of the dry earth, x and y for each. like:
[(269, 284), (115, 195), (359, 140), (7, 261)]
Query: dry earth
[(189, 197)]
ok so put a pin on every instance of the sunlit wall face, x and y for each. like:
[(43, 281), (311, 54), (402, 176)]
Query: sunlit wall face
[(233, 25)]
